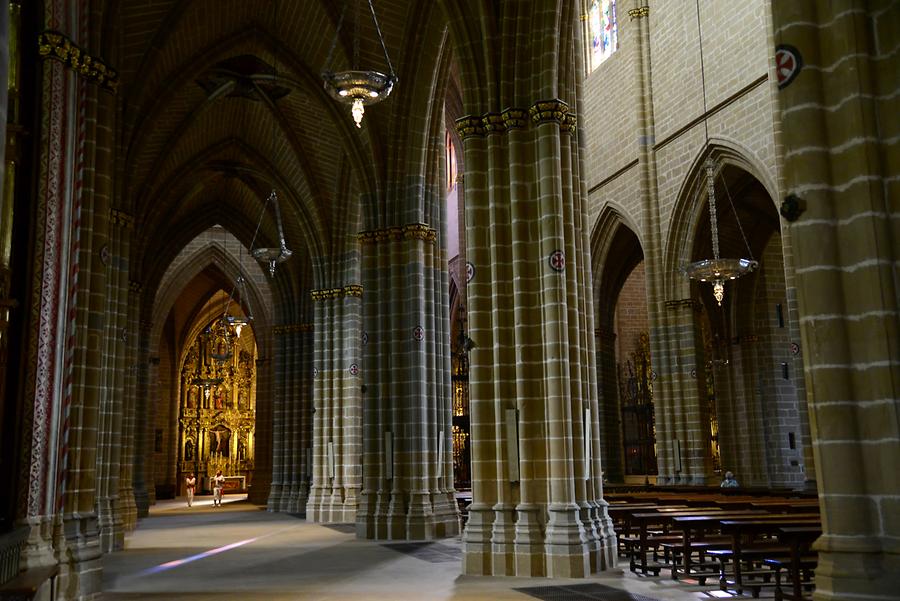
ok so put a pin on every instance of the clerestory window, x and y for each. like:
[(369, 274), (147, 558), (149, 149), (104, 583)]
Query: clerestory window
[(602, 31)]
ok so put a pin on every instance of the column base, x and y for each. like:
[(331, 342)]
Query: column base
[(503, 541), (568, 554), (476, 540), (529, 541), (446, 514), (862, 575), (82, 576), (127, 509)]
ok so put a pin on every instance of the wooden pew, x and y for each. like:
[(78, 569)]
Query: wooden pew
[(692, 529), (663, 518), (753, 528), (799, 539)]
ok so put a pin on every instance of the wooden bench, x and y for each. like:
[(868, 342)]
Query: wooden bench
[(28, 582), (799, 539), (753, 528)]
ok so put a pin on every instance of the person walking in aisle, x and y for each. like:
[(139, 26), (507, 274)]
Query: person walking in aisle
[(189, 484), (218, 488)]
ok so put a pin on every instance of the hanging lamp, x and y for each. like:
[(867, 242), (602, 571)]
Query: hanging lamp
[(357, 87), (274, 256), (717, 270)]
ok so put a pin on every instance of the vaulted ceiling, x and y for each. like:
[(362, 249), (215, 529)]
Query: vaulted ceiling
[(204, 134)]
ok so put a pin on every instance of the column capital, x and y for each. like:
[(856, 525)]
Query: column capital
[(353, 290)]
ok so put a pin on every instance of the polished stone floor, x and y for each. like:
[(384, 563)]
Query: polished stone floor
[(239, 551)]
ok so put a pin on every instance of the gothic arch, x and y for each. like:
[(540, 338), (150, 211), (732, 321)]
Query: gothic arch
[(212, 255), (691, 205)]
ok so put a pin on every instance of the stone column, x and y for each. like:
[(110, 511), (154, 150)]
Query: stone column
[(291, 429), (408, 477), (537, 492), (836, 65), (280, 449), (610, 418), (127, 505), (144, 494), (112, 401), (263, 443), (337, 422)]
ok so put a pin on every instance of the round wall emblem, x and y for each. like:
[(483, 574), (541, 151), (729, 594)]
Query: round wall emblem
[(354, 369), (788, 63), (315, 372), (693, 373), (365, 338), (558, 260), (418, 334), (795, 348), (104, 254), (470, 272)]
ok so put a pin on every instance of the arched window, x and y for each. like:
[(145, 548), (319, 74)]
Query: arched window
[(603, 31)]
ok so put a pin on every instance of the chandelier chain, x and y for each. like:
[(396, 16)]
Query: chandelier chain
[(713, 221), (740, 227), (356, 37), (381, 39), (337, 32)]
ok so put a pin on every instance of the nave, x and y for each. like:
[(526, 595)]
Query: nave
[(242, 552)]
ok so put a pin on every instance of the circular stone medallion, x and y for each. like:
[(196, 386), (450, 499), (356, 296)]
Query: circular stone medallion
[(558, 260), (788, 63)]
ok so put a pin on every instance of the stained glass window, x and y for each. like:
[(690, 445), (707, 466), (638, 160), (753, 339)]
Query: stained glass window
[(603, 30)]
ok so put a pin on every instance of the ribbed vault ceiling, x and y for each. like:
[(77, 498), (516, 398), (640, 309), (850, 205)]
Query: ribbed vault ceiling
[(191, 158)]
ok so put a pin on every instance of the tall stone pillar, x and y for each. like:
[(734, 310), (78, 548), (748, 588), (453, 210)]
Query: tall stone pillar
[(536, 475), (127, 505), (90, 310), (408, 476), (837, 65), (291, 422), (144, 494), (112, 401), (263, 434), (337, 421)]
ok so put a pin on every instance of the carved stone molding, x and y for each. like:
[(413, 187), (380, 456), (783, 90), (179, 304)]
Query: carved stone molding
[(493, 123), (546, 111), (682, 303), (121, 218), (469, 126), (353, 290), (293, 328), (412, 231), (637, 13), (515, 118), (56, 46)]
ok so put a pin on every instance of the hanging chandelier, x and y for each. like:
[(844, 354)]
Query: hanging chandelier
[(356, 87), (717, 270), (273, 256)]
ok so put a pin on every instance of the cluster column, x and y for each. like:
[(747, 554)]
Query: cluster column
[(291, 418), (537, 490), (337, 420), (408, 484)]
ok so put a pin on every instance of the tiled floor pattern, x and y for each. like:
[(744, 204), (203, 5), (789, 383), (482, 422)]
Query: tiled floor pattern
[(240, 552)]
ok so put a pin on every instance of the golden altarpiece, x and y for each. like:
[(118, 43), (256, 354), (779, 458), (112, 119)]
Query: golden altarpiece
[(217, 415)]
